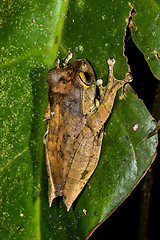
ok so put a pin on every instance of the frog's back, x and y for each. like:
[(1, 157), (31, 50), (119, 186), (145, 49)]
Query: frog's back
[(66, 123)]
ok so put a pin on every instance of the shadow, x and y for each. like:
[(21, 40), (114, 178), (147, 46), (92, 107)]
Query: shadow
[(144, 83), (39, 92)]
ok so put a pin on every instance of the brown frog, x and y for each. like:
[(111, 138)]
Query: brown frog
[(75, 129)]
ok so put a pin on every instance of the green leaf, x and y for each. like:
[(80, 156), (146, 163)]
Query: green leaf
[(146, 32), (32, 33)]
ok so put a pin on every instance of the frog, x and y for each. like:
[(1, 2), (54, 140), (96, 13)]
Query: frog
[(75, 128)]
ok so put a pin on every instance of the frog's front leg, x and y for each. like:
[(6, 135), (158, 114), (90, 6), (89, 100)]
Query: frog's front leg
[(97, 120)]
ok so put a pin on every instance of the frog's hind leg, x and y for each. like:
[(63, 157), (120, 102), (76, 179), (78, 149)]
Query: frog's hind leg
[(83, 165), (51, 188)]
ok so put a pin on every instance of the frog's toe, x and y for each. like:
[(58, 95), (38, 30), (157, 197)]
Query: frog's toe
[(128, 77)]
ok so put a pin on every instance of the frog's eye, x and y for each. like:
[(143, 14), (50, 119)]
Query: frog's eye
[(85, 79)]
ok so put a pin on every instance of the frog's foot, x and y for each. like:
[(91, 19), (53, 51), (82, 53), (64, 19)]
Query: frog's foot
[(69, 57), (123, 94), (99, 83), (112, 81), (58, 63), (100, 86)]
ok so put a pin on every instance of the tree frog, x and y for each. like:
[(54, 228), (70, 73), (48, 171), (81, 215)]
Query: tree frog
[(75, 125)]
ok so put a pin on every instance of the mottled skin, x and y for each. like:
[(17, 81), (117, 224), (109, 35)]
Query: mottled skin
[(75, 128)]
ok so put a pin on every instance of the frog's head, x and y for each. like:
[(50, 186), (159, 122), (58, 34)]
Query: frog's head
[(77, 81), (85, 78)]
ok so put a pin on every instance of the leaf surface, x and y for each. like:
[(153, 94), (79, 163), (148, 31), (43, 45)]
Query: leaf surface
[(33, 35)]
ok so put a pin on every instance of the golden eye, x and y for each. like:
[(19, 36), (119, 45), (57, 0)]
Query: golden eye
[(85, 79)]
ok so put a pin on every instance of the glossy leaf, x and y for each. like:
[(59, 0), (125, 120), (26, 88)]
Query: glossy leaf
[(146, 32), (32, 33)]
